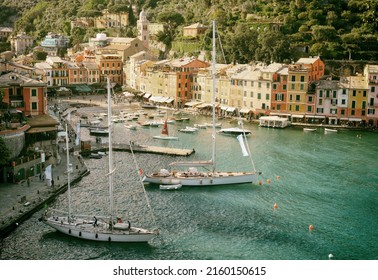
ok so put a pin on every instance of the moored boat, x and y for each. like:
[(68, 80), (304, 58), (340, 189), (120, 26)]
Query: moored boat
[(234, 131), (326, 130), (307, 129)]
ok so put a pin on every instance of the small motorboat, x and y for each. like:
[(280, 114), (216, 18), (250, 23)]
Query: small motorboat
[(95, 156), (189, 129), (307, 129), (326, 130)]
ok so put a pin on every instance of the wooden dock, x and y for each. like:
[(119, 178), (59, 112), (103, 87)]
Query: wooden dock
[(143, 149)]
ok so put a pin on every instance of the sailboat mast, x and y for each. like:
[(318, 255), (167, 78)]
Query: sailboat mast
[(213, 98), (110, 157), (68, 176)]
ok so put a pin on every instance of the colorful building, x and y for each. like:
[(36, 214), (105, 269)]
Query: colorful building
[(24, 94)]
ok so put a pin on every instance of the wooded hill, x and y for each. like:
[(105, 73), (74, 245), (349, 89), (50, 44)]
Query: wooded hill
[(334, 29)]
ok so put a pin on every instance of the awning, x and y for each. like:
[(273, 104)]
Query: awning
[(231, 109), (41, 129), (224, 108), (315, 116), (193, 103), (204, 105), (351, 119), (355, 120), (297, 116), (245, 110), (147, 95), (161, 99)]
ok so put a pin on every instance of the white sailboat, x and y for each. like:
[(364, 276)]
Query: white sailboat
[(193, 177), (164, 133), (106, 229)]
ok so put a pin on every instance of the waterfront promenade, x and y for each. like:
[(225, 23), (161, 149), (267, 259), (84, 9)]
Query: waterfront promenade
[(19, 201)]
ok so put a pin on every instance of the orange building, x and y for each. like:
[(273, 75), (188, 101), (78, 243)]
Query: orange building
[(110, 65), (24, 94), (301, 93), (184, 70)]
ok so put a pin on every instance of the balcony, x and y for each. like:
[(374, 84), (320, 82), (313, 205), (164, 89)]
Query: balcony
[(16, 98)]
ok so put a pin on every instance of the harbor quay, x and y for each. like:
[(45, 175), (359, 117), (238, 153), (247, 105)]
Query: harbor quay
[(21, 200)]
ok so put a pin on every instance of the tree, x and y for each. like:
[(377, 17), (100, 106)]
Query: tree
[(274, 47), (241, 44), (172, 20), (39, 55)]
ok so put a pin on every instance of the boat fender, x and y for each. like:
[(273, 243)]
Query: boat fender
[(79, 233), (109, 239), (96, 235), (211, 181), (69, 231)]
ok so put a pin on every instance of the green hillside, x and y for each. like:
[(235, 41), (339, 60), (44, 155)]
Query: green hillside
[(270, 30)]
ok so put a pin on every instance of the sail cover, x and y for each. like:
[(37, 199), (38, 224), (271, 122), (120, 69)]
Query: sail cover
[(242, 145)]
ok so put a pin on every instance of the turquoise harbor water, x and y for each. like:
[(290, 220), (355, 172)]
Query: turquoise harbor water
[(327, 180)]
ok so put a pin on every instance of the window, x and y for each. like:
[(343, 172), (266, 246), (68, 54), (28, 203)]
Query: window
[(251, 94), (284, 87), (343, 101), (34, 106), (363, 104), (296, 107), (293, 86), (364, 93), (259, 96), (353, 104), (320, 93), (354, 93), (274, 86), (352, 112), (327, 93), (334, 111), (371, 103), (319, 110), (278, 106), (334, 94), (293, 78), (259, 84), (344, 91), (371, 111), (297, 97), (309, 108), (320, 101), (302, 78), (268, 85), (342, 112), (33, 92), (301, 87), (267, 96), (291, 97), (310, 99), (372, 89)]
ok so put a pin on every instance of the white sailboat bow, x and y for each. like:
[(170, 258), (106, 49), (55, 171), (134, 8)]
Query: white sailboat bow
[(109, 229), (194, 177)]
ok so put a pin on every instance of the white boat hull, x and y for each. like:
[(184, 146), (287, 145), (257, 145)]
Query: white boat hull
[(203, 178), (84, 229), (166, 137)]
